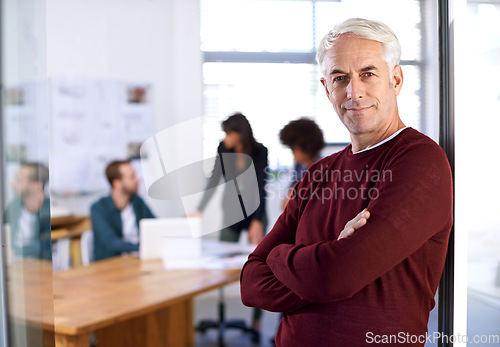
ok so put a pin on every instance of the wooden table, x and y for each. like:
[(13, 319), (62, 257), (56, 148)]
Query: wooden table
[(69, 226), (129, 302)]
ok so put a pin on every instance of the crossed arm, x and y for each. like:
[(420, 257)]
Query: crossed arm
[(259, 286), (283, 276), (273, 295)]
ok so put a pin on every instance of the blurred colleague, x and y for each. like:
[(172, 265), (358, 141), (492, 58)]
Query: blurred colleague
[(28, 214), (115, 218), (305, 138), (239, 139), (357, 255)]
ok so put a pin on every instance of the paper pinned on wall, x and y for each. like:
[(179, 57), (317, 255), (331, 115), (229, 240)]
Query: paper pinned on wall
[(92, 123)]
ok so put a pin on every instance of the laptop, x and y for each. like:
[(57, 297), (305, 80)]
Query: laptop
[(170, 238)]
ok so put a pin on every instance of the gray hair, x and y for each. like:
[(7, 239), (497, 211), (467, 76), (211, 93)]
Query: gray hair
[(365, 29)]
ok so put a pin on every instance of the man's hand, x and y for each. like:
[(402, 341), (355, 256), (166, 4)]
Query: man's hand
[(255, 232), (355, 223)]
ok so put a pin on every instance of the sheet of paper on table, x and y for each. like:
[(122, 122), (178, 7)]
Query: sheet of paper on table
[(214, 255)]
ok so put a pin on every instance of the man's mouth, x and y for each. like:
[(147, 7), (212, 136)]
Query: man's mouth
[(358, 109)]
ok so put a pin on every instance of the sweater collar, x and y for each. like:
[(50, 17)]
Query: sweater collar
[(382, 142)]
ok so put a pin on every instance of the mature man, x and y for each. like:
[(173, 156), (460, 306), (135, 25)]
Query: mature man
[(357, 254), (115, 218), (28, 214)]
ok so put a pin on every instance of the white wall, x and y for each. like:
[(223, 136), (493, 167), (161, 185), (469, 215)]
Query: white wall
[(23, 29), (154, 42)]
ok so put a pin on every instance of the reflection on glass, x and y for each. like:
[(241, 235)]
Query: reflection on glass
[(477, 113), (24, 174), (28, 214), (28, 252)]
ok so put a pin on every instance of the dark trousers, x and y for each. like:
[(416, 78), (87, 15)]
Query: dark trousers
[(232, 234)]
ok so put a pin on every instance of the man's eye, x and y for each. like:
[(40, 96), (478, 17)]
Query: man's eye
[(339, 78), (369, 74)]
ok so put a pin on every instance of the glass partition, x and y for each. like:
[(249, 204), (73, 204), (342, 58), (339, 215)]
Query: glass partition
[(477, 225), (26, 234)]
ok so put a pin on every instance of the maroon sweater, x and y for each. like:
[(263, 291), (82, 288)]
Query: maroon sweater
[(379, 281)]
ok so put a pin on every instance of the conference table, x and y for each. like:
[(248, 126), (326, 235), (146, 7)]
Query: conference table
[(125, 301)]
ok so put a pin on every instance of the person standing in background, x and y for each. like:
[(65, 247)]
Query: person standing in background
[(239, 139), (305, 138)]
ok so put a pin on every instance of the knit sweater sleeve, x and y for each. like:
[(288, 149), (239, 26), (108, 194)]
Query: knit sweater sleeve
[(410, 209), (259, 286)]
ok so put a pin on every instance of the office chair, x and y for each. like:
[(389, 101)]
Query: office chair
[(222, 324)]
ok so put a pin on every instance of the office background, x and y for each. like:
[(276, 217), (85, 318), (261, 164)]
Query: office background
[(209, 58)]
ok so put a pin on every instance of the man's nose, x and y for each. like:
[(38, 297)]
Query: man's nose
[(355, 88)]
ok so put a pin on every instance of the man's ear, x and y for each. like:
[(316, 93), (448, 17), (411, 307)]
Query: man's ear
[(325, 85), (397, 79), (115, 183)]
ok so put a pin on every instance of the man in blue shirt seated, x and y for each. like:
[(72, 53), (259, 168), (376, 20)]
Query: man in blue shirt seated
[(115, 218)]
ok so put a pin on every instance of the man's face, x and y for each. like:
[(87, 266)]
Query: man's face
[(129, 182), (359, 86), (22, 182)]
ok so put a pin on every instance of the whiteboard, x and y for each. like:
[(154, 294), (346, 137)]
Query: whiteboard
[(92, 122)]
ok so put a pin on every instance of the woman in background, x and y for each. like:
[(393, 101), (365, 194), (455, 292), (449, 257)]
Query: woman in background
[(239, 139)]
